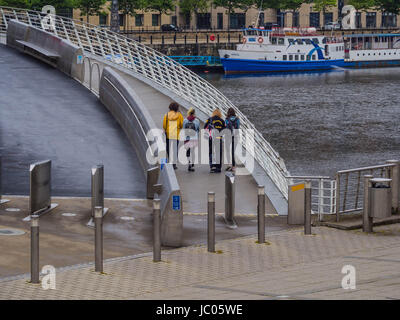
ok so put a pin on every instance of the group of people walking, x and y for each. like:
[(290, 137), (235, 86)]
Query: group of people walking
[(173, 123)]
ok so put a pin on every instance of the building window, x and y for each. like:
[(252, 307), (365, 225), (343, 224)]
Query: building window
[(103, 19), (155, 20), (314, 19), (237, 20), (358, 20), (204, 21), (371, 19), (328, 17), (139, 18), (261, 20), (220, 20), (389, 20), (295, 19), (121, 20), (174, 20)]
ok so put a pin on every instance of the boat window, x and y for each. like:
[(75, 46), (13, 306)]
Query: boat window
[(307, 41), (265, 33), (324, 40), (308, 58), (273, 40), (291, 41), (296, 57), (302, 57), (281, 41), (284, 57), (260, 33), (299, 41), (290, 57), (315, 40), (314, 57)]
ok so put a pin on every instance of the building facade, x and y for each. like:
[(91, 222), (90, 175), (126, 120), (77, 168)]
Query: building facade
[(217, 19)]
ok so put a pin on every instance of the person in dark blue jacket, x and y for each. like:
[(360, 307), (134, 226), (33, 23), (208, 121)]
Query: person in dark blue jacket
[(213, 124), (232, 122)]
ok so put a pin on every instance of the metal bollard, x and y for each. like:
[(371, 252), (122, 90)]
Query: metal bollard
[(98, 238), (35, 249), (97, 187), (230, 200), (307, 208), (367, 219), (156, 230), (211, 222), (261, 214)]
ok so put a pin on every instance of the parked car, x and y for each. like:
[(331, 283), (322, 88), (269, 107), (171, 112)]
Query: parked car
[(332, 26), (169, 27), (270, 25)]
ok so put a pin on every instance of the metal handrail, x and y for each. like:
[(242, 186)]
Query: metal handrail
[(158, 68)]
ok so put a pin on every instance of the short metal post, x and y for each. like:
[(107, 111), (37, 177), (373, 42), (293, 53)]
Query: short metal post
[(230, 200), (395, 176), (97, 187), (156, 231), (261, 214), (162, 39), (35, 249), (367, 219), (307, 208), (211, 221), (98, 241)]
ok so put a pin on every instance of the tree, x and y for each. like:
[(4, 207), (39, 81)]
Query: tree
[(161, 6), (37, 5), (90, 7), (392, 6), (188, 7), (130, 7), (15, 3), (291, 5), (323, 5), (362, 4)]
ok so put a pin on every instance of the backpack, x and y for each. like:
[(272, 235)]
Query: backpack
[(190, 125), (232, 124)]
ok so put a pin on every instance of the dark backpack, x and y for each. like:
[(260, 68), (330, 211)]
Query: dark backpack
[(232, 124), (190, 125)]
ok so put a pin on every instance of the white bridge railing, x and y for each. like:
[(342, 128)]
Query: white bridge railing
[(154, 66)]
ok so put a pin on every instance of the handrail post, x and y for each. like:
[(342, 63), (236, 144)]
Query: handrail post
[(337, 197), (307, 208), (395, 176)]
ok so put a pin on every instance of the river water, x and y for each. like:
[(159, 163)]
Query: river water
[(322, 122)]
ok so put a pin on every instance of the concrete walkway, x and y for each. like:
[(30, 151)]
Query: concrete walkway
[(290, 266), (195, 185), (46, 115)]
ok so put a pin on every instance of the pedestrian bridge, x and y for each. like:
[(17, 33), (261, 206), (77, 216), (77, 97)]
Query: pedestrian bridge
[(148, 81)]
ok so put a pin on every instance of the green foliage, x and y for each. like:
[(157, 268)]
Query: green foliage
[(293, 5), (187, 7), (90, 7), (392, 6), (162, 6), (322, 5), (37, 5), (362, 4), (131, 6), (15, 3)]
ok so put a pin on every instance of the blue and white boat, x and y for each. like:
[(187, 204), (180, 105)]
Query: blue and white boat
[(284, 49)]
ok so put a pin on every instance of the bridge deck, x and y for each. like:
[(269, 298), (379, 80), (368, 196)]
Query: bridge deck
[(46, 115), (195, 185)]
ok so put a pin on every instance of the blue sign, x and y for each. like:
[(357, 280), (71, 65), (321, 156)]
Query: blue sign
[(163, 162), (176, 202)]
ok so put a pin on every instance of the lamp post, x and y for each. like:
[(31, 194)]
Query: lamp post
[(114, 16)]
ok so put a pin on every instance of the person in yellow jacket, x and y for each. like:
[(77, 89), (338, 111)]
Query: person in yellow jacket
[(172, 125)]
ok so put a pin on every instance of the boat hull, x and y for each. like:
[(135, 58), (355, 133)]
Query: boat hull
[(234, 66)]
